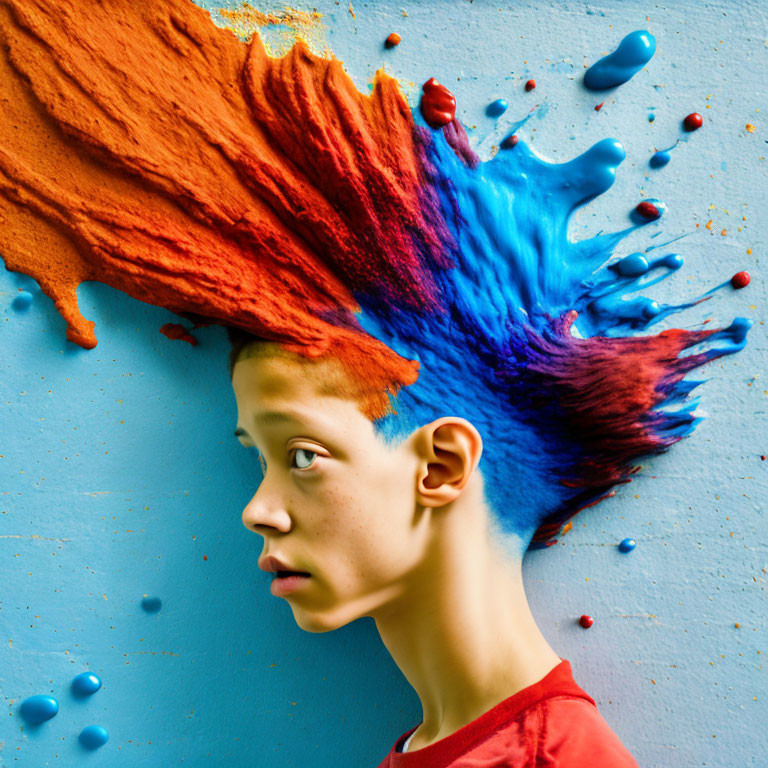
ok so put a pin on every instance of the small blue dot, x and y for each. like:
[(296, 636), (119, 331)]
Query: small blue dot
[(151, 604), (93, 736), (22, 301), (627, 545), (651, 117), (496, 108), (86, 683), (38, 709)]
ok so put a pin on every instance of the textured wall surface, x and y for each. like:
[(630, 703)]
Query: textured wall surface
[(120, 477)]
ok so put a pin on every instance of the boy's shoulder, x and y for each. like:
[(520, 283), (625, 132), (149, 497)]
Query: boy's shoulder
[(571, 732)]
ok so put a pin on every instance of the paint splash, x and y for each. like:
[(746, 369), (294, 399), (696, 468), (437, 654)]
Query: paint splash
[(166, 158)]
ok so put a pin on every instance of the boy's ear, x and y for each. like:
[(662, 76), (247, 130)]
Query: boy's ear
[(449, 451)]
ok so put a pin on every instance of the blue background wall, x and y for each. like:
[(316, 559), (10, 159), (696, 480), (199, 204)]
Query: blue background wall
[(119, 473)]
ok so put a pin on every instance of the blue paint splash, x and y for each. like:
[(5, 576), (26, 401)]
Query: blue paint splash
[(540, 330), (633, 53)]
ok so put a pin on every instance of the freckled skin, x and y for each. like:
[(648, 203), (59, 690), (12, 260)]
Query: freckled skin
[(398, 533)]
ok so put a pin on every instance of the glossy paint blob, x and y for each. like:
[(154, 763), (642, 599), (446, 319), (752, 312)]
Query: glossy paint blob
[(86, 684), (633, 53), (37, 709), (93, 736)]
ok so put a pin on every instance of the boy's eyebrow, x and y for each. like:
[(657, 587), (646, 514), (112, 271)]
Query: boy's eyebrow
[(268, 417)]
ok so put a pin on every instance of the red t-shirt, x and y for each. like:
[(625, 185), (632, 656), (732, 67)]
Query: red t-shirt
[(550, 724)]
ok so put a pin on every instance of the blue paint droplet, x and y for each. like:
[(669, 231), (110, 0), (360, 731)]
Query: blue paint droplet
[(633, 265), (22, 301), (86, 683), (38, 709), (496, 108), (672, 261), (633, 53), (651, 117), (151, 604), (93, 736), (627, 545), (660, 159), (651, 308)]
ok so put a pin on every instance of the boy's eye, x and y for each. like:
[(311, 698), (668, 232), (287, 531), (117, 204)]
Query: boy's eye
[(305, 452)]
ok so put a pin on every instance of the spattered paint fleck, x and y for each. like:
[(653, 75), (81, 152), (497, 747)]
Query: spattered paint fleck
[(693, 121), (151, 604), (392, 40), (496, 108), (661, 157), (586, 621), (648, 210), (93, 736), (509, 141), (530, 85), (632, 54), (740, 280), (178, 331), (86, 684), (39, 708), (22, 301), (438, 104), (599, 106), (627, 545)]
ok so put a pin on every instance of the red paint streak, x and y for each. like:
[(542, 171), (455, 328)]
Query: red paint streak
[(740, 280), (438, 104), (586, 621), (509, 142), (599, 106), (392, 40), (176, 331), (647, 210), (530, 85), (692, 121)]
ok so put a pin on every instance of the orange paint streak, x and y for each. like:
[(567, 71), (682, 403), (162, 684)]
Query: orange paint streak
[(166, 158)]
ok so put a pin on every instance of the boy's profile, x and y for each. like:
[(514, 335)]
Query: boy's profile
[(403, 534)]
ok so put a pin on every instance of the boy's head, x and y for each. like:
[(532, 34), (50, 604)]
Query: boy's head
[(368, 519)]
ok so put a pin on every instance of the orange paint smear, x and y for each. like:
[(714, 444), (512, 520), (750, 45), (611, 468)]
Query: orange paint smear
[(143, 147)]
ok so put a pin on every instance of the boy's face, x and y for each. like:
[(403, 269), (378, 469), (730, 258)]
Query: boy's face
[(335, 500)]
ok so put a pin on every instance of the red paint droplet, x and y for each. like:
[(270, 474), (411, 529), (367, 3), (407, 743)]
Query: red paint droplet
[(648, 210), (599, 106), (205, 557), (509, 142), (762, 458), (740, 280), (586, 621), (438, 104), (392, 40), (692, 121), (530, 85), (177, 331)]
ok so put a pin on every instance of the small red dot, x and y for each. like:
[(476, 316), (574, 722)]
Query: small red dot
[(392, 40), (530, 85), (586, 621), (692, 121), (509, 142), (762, 458), (740, 280), (647, 210), (599, 106), (205, 557)]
